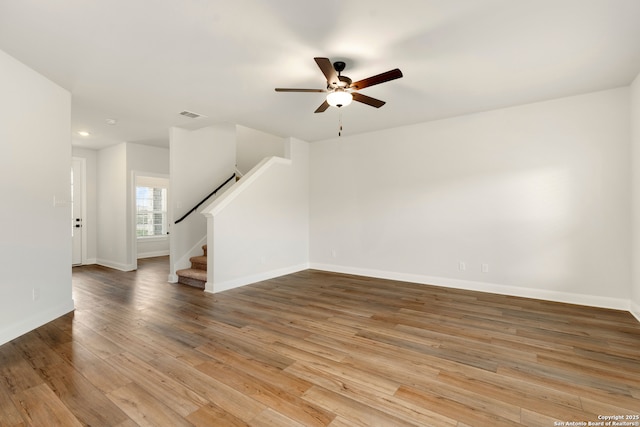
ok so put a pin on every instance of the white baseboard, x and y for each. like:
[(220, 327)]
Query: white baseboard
[(90, 261), (248, 280), (153, 254), (543, 294), (115, 265), (35, 321), (635, 310)]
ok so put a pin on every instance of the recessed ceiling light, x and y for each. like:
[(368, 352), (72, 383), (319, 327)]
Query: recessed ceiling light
[(111, 122), (83, 133)]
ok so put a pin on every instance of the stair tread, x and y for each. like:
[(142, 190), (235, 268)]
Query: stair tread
[(198, 259), (193, 273)]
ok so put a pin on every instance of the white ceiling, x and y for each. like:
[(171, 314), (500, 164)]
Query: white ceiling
[(141, 62)]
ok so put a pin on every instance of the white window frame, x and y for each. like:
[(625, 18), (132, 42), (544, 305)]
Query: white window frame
[(153, 183)]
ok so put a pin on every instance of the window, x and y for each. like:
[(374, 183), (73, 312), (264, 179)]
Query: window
[(151, 211)]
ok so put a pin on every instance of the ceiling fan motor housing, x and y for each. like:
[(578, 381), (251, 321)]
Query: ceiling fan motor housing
[(343, 81)]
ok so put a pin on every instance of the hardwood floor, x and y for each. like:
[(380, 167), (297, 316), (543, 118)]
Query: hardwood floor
[(316, 349)]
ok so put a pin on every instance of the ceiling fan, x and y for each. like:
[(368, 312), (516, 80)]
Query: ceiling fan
[(341, 90)]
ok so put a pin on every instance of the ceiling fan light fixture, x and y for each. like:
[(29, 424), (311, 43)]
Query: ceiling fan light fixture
[(339, 98)]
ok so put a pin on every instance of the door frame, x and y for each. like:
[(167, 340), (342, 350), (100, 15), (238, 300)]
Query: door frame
[(83, 205), (133, 238)]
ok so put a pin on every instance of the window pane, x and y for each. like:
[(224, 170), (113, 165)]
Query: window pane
[(151, 210)]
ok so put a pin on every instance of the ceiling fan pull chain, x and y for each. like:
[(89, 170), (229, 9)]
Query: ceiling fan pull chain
[(340, 122)]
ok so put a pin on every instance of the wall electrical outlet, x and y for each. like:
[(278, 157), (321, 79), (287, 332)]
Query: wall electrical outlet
[(36, 294), (462, 266), (484, 268)]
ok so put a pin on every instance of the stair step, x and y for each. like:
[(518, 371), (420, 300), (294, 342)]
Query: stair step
[(196, 275), (199, 262), (193, 273), (192, 277), (191, 282)]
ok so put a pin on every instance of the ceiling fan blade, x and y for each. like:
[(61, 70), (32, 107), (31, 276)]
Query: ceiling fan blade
[(284, 89), (377, 79), (367, 100), (322, 108), (327, 69)]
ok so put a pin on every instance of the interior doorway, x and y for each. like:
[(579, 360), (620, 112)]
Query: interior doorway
[(150, 219), (78, 236)]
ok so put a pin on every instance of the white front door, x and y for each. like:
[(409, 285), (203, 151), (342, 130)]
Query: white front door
[(77, 187)]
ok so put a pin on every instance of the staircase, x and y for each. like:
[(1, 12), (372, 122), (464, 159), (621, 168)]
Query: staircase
[(195, 276)]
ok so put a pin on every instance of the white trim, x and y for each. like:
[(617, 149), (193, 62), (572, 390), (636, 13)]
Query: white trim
[(26, 325), (116, 265), (556, 296), (634, 309), (83, 213), (149, 179), (133, 238), (83, 165), (153, 254), (224, 199), (158, 238), (248, 280)]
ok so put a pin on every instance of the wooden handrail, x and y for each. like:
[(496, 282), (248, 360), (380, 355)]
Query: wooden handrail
[(205, 199)]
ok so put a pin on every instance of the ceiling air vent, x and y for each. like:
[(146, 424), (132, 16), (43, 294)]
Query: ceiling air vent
[(190, 114)]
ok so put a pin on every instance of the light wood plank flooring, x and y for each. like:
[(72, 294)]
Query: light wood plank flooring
[(316, 349)]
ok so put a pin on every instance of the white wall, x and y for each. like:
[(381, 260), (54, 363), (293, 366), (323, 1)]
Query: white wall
[(259, 229), (147, 159), (539, 193), (252, 146), (113, 215), (635, 197), (152, 247), (35, 189), (89, 223), (200, 161)]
